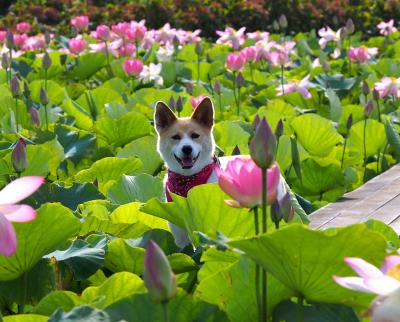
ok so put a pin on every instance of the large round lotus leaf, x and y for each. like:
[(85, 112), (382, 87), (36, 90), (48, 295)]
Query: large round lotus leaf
[(305, 260), (319, 177), (316, 134), (53, 225), (375, 137)]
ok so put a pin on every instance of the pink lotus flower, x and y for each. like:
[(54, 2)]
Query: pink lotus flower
[(34, 43), (113, 47), (127, 50), (103, 32), (296, 86), (19, 40), (385, 282), (14, 192), (235, 62), (133, 67), (195, 101), (24, 27), (249, 53), (231, 37), (386, 28), (388, 86), (327, 35), (137, 30), (3, 36), (361, 54), (77, 45), (280, 55), (80, 22), (121, 28), (242, 181), (258, 36)]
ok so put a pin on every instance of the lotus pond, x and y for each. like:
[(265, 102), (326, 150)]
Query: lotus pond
[(77, 110)]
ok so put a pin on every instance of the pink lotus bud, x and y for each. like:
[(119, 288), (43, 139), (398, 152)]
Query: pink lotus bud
[(46, 61), (263, 145), (365, 88), (157, 275), (18, 156), (179, 104), (375, 94), (171, 103), (349, 122), (132, 67), (35, 118), (249, 54), (80, 22), (24, 27), (234, 62), (242, 180), (44, 99), (368, 108), (15, 89), (283, 22), (10, 40), (240, 82), (279, 129), (77, 45), (103, 32), (47, 37), (189, 88), (5, 61), (217, 87)]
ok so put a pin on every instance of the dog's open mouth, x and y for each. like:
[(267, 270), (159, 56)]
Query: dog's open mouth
[(187, 162)]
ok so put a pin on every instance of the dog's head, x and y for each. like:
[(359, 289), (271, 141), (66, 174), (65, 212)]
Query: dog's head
[(186, 144)]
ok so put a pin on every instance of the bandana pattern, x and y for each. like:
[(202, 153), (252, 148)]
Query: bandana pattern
[(180, 184)]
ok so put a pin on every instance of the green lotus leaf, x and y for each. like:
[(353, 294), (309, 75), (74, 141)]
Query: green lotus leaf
[(54, 224), (316, 134), (305, 260)]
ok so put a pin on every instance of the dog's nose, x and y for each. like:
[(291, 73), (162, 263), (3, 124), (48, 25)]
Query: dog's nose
[(187, 149)]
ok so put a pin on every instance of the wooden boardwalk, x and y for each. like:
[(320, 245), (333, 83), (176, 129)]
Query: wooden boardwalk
[(379, 199)]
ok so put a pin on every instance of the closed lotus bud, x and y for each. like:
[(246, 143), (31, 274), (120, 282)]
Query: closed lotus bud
[(279, 129), (171, 103), (27, 91), (44, 99), (198, 50), (276, 213), (375, 94), (47, 37), (15, 89), (368, 108), (256, 121), (350, 26), (157, 275), (263, 145), (18, 156), (175, 42), (217, 87), (236, 151), (10, 40), (365, 88), (5, 61), (46, 61), (275, 25), (285, 205), (349, 122), (189, 88), (343, 32), (35, 118), (179, 104), (240, 82), (283, 22)]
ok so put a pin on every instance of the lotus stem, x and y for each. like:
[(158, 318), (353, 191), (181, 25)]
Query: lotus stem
[(264, 230), (220, 104), (379, 110), (365, 147), (165, 311), (109, 70), (16, 114), (258, 268), (344, 150), (299, 309), (283, 91)]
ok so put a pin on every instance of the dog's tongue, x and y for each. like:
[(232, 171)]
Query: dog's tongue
[(187, 162)]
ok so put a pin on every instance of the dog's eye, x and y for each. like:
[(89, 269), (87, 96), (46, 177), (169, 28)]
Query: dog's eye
[(176, 137), (195, 136)]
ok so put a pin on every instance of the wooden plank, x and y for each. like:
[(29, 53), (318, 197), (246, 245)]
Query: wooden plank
[(379, 199)]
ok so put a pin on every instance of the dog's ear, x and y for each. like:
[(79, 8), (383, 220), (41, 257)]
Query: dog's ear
[(163, 117), (204, 113)]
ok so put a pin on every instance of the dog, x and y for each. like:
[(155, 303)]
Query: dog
[(187, 145)]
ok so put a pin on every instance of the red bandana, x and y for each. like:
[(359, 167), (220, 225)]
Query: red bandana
[(180, 184)]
